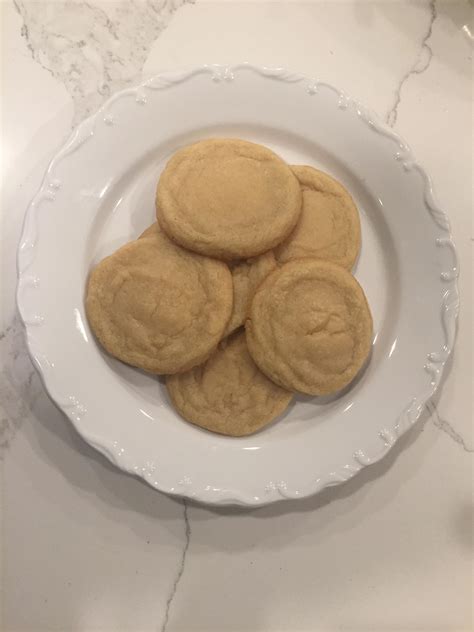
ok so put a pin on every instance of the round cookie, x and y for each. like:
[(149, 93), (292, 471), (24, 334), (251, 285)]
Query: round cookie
[(246, 277), (309, 327), (159, 307), (329, 225), (227, 198), (228, 394)]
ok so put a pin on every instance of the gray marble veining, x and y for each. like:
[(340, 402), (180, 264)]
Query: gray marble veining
[(447, 428), (20, 384), (93, 48), (180, 571), (419, 66)]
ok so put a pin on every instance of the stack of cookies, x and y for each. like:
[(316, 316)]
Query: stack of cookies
[(241, 292)]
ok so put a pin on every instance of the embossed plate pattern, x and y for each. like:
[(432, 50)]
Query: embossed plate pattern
[(98, 193)]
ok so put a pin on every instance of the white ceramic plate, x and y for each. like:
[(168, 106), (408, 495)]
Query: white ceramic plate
[(98, 193)]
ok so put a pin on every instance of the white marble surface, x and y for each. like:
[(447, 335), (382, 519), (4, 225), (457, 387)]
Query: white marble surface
[(88, 548)]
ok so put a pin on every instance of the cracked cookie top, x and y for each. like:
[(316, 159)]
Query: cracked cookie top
[(228, 394), (309, 327), (157, 306)]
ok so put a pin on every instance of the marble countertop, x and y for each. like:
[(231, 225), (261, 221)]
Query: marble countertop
[(87, 548)]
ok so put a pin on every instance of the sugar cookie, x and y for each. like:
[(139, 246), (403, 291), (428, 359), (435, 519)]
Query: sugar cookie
[(227, 198), (228, 394), (157, 306), (309, 327)]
